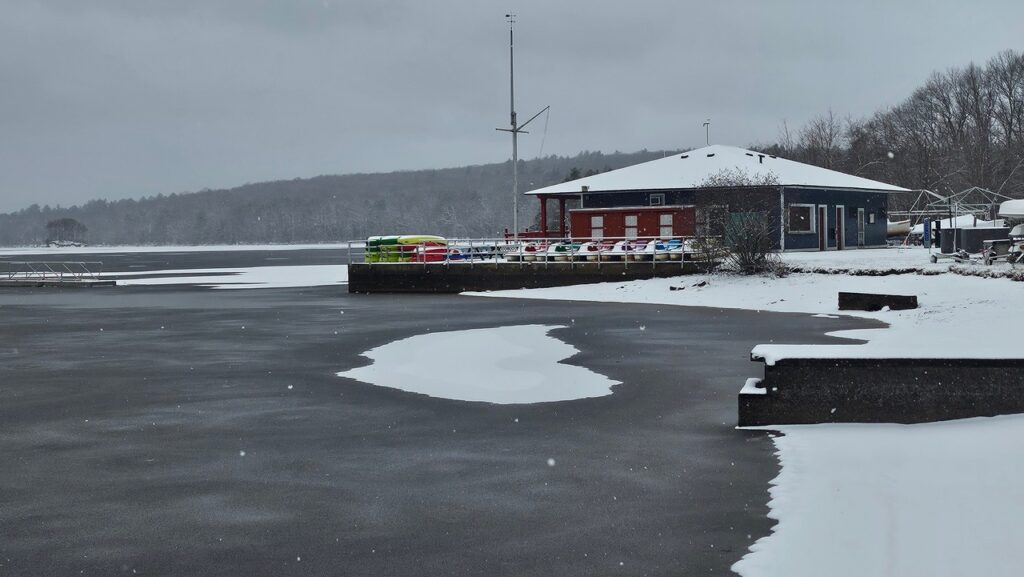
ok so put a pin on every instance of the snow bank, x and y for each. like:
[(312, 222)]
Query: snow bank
[(239, 278), (503, 365), (959, 316), (929, 500)]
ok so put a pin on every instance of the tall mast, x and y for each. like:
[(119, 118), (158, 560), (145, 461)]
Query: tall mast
[(516, 129)]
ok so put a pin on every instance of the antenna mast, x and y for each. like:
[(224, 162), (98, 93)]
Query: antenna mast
[(516, 129)]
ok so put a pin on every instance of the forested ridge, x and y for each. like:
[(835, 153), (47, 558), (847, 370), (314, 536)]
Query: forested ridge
[(465, 201), (964, 127)]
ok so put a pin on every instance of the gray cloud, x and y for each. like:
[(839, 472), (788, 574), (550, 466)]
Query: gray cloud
[(122, 98)]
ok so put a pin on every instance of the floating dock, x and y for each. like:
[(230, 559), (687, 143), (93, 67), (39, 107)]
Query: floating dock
[(55, 282), (58, 274)]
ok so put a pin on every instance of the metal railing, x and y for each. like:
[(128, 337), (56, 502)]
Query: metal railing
[(51, 270), (569, 252)]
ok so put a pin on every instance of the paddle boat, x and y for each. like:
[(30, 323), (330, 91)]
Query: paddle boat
[(591, 251), (526, 251), (559, 251), (619, 250), (652, 250)]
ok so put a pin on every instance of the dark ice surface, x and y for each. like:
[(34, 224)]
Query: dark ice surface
[(152, 431)]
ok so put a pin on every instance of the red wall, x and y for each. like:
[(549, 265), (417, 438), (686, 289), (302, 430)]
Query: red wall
[(648, 218)]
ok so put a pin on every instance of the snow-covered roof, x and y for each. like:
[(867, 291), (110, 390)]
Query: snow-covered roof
[(1012, 208), (691, 169)]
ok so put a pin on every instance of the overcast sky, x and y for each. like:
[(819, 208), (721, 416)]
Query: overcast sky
[(129, 98)]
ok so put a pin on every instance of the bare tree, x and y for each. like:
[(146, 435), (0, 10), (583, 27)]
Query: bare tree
[(748, 232)]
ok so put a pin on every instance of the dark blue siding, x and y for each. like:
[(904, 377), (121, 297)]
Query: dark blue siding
[(872, 202)]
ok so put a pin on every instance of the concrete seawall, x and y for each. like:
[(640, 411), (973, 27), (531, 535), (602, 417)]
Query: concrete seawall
[(865, 390), (459, 277)]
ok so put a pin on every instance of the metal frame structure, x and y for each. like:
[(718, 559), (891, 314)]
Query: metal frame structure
[(52, 270)]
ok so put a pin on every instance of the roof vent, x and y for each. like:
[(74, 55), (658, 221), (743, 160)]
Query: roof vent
[(710, 154), (750, 154), (684, 156), (772, 156), (760, 158)]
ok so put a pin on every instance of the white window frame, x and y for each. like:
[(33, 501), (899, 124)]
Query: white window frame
[(666, 227), (656, 199), (631, 230), (813, 220), (596, 227)]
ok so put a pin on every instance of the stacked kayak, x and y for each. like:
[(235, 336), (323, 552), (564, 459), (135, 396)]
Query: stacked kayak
[(400, 248)]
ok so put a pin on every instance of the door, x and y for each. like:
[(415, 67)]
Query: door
[(822, 224), (840, 227), (860, 227)]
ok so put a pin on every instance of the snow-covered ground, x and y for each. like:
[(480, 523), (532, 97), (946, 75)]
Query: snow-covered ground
[(239, 278), (938, 499), (954, 309), (504, 365), (929, 500), (866, 259)]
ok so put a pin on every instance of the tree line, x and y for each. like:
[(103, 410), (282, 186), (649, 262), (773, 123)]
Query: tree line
[(470, 201), (963, 128)]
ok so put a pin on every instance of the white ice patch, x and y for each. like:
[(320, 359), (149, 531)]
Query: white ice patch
[(907, 500), (502, 365), (239, 278)]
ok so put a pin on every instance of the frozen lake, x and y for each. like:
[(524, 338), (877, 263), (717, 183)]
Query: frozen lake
[(148, 421)]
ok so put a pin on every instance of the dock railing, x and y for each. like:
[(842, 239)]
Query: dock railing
[(51, 270), (550, 252)]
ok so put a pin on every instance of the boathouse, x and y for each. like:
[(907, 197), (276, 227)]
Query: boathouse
[(686, 194)]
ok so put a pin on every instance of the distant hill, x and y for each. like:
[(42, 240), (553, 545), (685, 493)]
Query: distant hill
[(465, 201)]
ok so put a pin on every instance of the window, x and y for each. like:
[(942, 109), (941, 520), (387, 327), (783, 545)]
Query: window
[(665, 226), (631, 229), (871, 218), (596, 227), (657, 199), (800, 218)]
